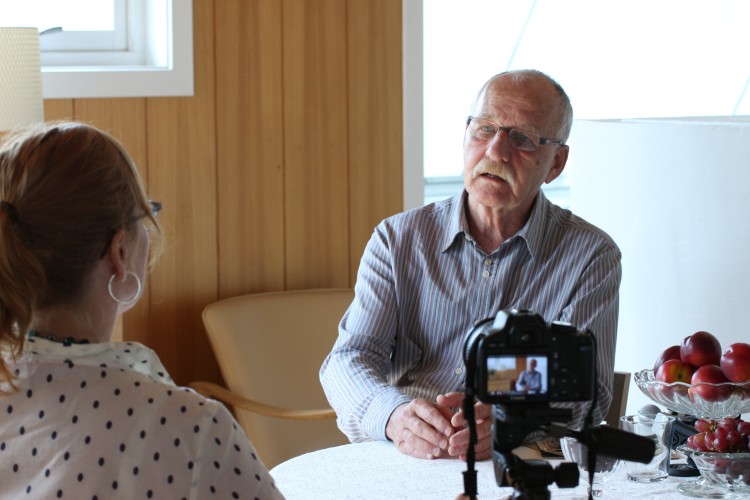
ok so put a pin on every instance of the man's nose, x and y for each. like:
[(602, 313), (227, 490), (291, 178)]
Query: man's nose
[(499, 147)]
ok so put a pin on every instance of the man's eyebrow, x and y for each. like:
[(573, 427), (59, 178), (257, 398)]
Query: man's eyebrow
[(526, 127)]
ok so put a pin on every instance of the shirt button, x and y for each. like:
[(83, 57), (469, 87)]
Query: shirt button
[(458, 371), (486, 274), (488, 262)]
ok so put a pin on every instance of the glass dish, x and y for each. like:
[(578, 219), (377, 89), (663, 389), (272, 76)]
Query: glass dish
[(604, 469), (710, 401), (723, 475)]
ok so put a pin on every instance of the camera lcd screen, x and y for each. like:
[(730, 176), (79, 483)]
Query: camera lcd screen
[(517, 376)]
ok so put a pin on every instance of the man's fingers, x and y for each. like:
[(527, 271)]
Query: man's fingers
[(451, 399), (419, 429), (459, 442), (427, 413), (482, 411)]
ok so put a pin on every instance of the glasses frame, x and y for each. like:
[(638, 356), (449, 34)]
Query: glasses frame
[(509, 130), (155, 209)]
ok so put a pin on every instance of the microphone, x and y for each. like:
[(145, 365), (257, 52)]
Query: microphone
[(616, 443)]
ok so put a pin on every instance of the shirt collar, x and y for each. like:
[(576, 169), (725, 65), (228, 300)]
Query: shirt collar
[(126, 356), (532, 232), (458, 226)]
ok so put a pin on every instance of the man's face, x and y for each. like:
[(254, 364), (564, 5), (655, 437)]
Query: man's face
[(532, 365), (497, 175)]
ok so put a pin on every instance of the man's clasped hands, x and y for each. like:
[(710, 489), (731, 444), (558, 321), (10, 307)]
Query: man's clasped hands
[(424, 429)]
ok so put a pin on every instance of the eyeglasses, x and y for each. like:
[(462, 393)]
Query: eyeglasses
[(155, 208), (486, 130)]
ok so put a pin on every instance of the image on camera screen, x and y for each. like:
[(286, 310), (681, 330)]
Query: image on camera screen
[(516, 375)]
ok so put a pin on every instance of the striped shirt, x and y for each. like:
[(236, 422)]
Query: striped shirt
[(423, 283)]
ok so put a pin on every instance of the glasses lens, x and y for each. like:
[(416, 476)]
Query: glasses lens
[(155, 207), (485, 130), (523, 140), (482, 130)]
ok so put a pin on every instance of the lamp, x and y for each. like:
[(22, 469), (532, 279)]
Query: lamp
[(20, 78)]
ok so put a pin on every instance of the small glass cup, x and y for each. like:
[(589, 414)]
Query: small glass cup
[(605, 467), (660, 430)]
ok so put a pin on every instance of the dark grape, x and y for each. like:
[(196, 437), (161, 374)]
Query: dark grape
[(702, 425), (726, 435), (727, 423), (720, 444), (734, 440)]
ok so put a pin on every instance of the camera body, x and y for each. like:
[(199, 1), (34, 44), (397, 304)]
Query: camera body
[(509, 344)]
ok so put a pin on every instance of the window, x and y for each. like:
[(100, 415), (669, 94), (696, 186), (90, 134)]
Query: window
[(618, 59), (110, 48), (95, 25)]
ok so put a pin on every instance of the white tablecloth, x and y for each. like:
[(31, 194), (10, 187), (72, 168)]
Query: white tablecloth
[(377, 470)]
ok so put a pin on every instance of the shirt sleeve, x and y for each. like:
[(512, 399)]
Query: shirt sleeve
[(354, 375), (595, 307), (521, 382)]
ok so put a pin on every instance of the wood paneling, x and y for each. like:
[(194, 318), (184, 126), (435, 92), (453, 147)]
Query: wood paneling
[(315, 144), (275, 172), (375, 113), (250, 144)]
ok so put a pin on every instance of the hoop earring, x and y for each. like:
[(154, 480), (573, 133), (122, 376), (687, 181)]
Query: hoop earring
[(132, 299)]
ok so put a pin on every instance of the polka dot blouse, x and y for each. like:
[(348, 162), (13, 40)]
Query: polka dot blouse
[(104, 421)]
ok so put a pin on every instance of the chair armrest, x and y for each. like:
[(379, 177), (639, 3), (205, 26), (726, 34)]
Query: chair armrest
[(211, 390)]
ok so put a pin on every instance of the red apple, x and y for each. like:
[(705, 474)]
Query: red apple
[(700, 348), (702, 388), (672, 352), (735, 362), (674, 370)]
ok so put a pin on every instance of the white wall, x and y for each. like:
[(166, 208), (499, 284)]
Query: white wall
[(675, 196)]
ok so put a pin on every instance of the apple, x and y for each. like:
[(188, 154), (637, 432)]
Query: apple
[(735, 362), (700, 348), (674, 370), (672, 352), (701, 384)]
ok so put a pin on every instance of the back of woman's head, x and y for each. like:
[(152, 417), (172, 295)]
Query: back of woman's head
[(65, 189)]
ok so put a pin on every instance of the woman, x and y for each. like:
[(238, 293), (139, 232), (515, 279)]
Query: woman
[(81, 416)]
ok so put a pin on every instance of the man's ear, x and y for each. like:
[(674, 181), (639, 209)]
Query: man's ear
[(558, 165), (118, 254)]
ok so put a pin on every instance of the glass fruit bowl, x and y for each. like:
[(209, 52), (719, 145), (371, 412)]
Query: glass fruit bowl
[(723, 475), (704, 400)]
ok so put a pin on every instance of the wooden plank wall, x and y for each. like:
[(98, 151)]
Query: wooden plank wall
[(275, 172)]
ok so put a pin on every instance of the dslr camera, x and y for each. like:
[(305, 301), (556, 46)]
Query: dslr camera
[(514, 340), (499, 354), (519, 364)]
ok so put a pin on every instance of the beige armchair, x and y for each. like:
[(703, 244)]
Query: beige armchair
[(270, 347)]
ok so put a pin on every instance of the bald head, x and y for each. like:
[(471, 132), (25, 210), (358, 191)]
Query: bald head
[(550, 95)]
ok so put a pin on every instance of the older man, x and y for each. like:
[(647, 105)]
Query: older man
[(396, 370), (530, 380)]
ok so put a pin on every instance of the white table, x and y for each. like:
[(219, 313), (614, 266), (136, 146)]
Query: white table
[(376, 470)]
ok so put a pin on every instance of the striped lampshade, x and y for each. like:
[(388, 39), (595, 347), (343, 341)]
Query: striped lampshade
[(20, 78)]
